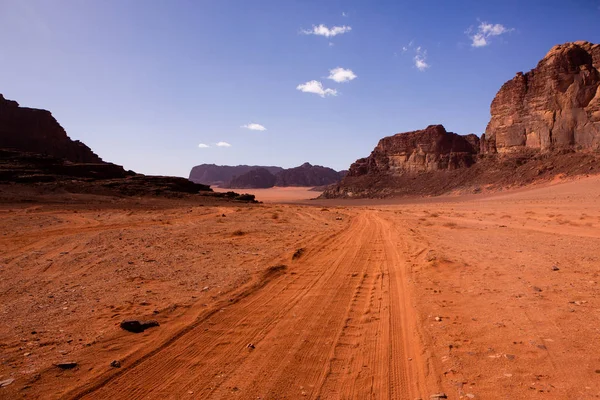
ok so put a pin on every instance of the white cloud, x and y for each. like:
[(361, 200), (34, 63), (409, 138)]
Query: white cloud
[(322, 30), (341, 75), (344, 14), (317, 88), (223, 144), (254, 127), (421, 59), (203, 146), (486, 31)]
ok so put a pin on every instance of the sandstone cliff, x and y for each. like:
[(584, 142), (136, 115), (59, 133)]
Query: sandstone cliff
[(554, 106), (430, 149), (543, 123), (36, 131)]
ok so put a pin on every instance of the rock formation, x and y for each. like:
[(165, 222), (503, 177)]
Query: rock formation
[(211, 174), (430, 149), (36, 153), (308, 175), (554, 106), (265, 177), (259, 178), (543, 123), (36, 131)]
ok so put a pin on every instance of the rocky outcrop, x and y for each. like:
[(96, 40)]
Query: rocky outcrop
[(265, 177), (36, 131), (430, 149), (259, 178), (211, 174), (554, 106), (308, 175)]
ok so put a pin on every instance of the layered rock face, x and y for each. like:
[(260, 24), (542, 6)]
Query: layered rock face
[(430, 149), (554, 106), (36, 131)]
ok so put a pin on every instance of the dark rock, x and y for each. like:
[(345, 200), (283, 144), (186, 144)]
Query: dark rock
[(67, 365), (36, 131), (138, 326), (115, 364)]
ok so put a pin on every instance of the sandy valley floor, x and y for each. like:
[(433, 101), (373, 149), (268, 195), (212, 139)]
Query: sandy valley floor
[(491, 297)]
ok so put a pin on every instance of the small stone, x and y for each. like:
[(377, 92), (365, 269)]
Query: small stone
[(67, 365), (509, 356), (438, 396), (536, 289), (6, 382), (470, 395), (251, 346), (555, 268), (438, 319), (115, 364)]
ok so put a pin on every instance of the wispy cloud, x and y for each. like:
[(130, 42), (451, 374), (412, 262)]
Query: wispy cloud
[(341, 75), (203, 146), (254, 127), (420, 59), (317, 88), (420, 55), (485, 31), (223, 144), (322, 30), (344, 14)]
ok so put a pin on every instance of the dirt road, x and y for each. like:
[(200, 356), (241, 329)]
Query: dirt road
[(492, 297), (338, 323)]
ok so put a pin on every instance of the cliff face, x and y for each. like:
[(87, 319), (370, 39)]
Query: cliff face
[(430, 149), (554, 106), (36, 131)]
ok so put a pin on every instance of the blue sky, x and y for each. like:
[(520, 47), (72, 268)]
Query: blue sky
[(143, 83)]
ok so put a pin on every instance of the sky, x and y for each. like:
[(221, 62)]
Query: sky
[(161, 86)]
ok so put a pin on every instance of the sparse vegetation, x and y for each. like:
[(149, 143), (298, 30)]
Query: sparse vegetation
[(298, 253)]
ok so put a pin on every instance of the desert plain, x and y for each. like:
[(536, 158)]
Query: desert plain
[(477, 296)]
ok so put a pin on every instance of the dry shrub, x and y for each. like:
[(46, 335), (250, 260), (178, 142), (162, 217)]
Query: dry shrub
[(298, 253)]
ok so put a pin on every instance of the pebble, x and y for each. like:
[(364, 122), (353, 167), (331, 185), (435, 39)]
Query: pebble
[(6, 382), (115, 364), (438, 319), (555, 268)]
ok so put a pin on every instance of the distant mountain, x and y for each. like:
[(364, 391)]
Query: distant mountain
[(259, 178), (304, 175), (211, 174), (308, 175)]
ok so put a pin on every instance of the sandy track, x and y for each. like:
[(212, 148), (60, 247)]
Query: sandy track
[(336, 324), (395, 301)]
